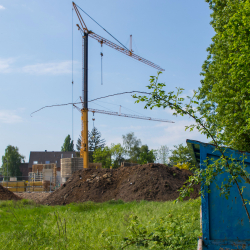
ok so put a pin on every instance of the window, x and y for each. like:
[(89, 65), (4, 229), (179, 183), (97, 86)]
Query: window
[(55, 161), (35, 162), (47, 162)]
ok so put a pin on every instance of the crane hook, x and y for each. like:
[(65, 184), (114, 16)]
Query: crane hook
[(101, 65), (93, 119)]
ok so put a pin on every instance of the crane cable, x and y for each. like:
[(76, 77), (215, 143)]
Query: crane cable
[(72, 83), (101, 64), (93, 119), (101, 27), (121, 106)]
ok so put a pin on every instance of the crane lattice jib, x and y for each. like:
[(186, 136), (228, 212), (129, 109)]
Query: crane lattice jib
[(123, 115), (103, 40), (123, 50), (128, 115), (79, 17)]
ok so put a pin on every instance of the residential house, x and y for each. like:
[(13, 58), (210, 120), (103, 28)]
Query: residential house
[(47, 157)]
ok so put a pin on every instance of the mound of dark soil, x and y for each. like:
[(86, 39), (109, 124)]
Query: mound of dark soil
[(5, 194), (152, 182)]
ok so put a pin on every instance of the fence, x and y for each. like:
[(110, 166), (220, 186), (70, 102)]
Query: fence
[(33, 184), (38, 181)]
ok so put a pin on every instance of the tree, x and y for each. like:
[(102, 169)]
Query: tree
[(224, 164), (11, 161), (118, 153), (95, 141), (146, 155), (103, 155), (78, 144), (225, 91), (132, 146), (180, 155), (162, 154), (94, 138), (68, 144)]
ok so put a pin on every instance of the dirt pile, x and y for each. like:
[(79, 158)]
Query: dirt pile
[(5, 194), (152, 182)]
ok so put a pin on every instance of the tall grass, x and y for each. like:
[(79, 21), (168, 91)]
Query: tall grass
[(89, 225)]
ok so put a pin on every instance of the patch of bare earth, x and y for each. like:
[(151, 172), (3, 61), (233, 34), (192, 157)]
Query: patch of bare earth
[(35, 196)]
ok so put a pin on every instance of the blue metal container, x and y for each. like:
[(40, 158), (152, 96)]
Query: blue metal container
[(225, 225)]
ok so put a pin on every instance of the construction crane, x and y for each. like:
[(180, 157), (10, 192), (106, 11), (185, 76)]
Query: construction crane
[(123, 115), (85, 34)]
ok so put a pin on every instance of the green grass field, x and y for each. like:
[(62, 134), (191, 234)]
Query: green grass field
[(109, 225)]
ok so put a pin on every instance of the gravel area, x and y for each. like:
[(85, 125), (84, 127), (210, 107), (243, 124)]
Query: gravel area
[(36, 196)]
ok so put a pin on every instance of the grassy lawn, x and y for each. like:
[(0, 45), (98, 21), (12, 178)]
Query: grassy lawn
[(109, 225)]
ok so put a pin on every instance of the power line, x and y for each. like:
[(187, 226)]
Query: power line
[(121, 106), (71, 103), (122, 93)]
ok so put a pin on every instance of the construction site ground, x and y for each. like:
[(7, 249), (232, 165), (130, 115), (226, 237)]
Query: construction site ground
[(35, 196), (151, 182)]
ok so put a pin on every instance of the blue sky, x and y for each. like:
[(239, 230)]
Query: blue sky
[(36, 68)]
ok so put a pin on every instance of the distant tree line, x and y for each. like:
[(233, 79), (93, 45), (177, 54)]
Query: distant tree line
[(132, 150)]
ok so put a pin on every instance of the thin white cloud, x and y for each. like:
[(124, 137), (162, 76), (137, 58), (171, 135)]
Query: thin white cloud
[(57, 68), (2, 8), (9, 116), (5, 65)]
